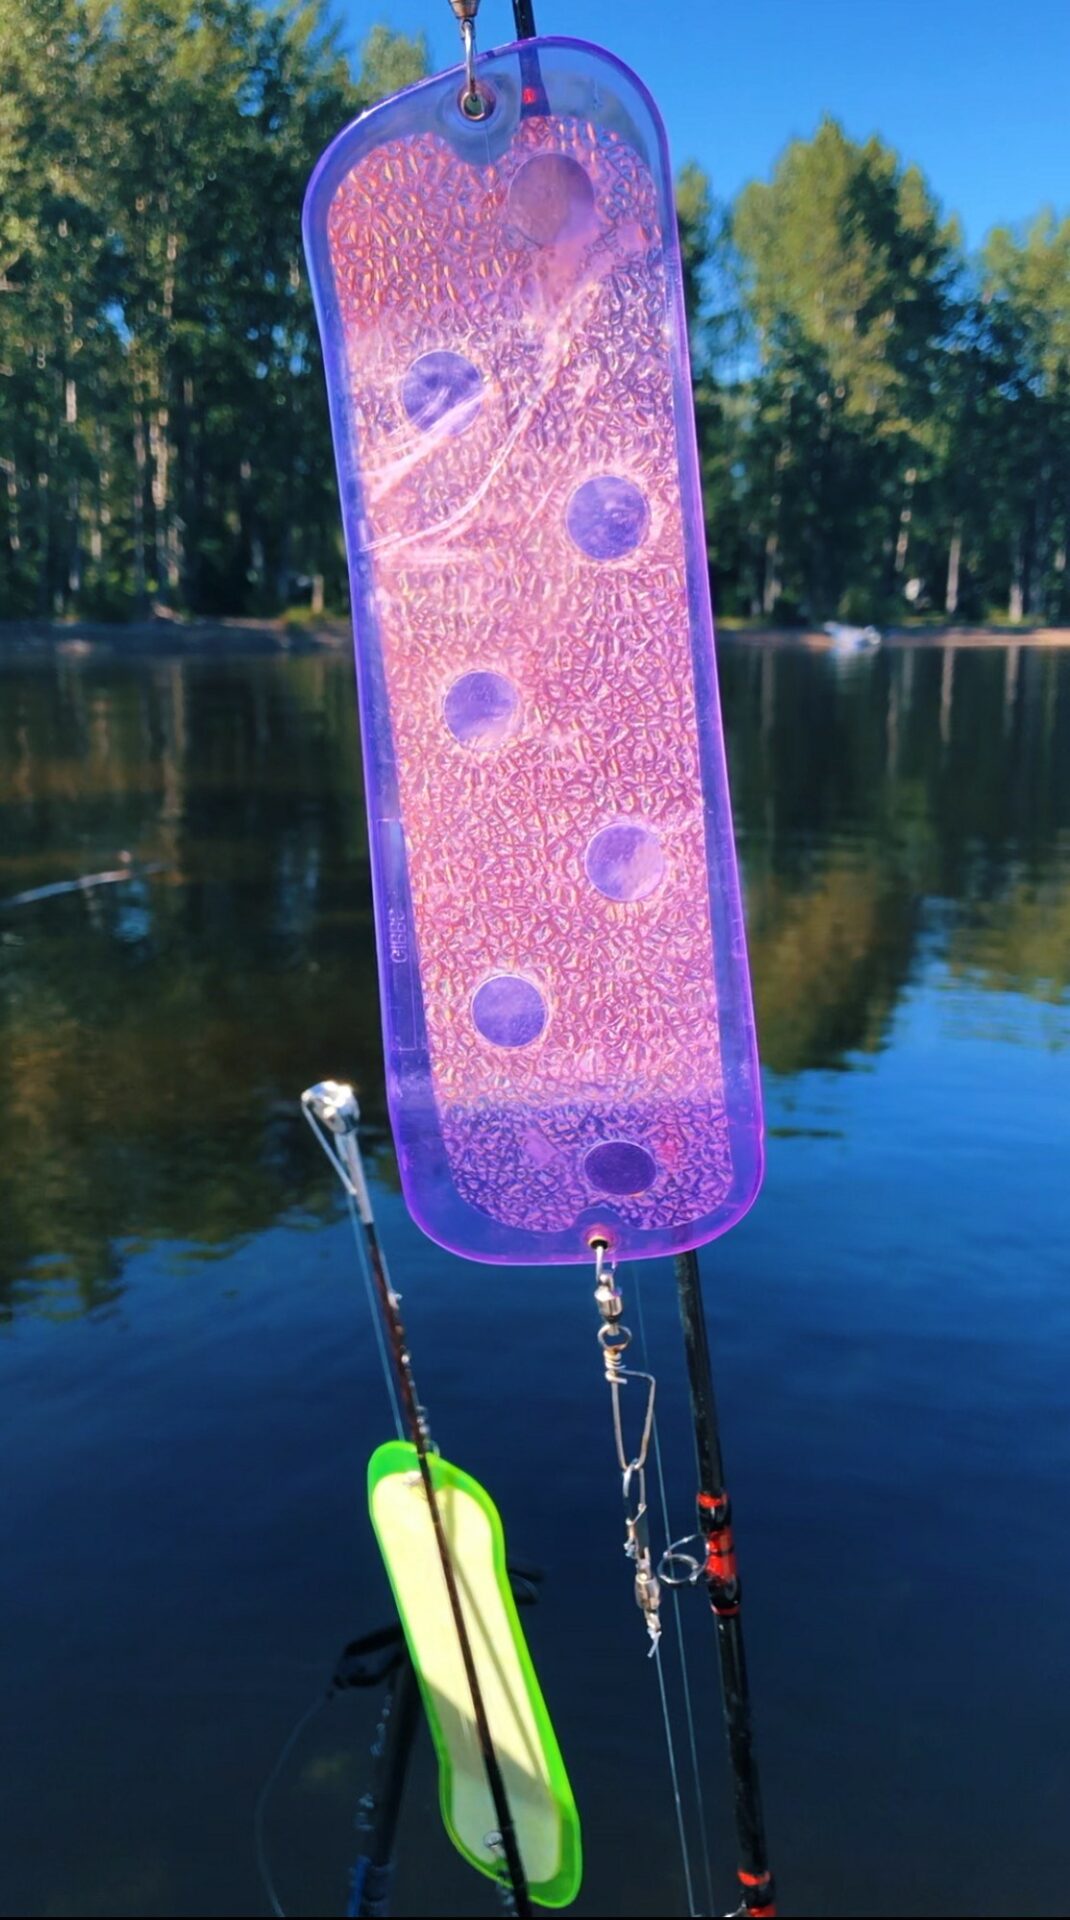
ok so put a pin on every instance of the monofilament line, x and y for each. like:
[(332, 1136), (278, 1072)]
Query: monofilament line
[(696, 1771)]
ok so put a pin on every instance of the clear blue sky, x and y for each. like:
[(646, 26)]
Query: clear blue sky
[(976, 91)]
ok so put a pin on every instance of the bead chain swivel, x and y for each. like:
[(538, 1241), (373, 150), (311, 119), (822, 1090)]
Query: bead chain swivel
[(614, 1338)]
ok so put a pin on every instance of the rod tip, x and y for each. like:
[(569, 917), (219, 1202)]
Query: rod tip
[(334, 1104)]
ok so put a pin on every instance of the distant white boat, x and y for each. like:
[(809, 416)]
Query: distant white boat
[(851, 639)]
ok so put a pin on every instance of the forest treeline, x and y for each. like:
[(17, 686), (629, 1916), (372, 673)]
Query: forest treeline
[(884, 420)]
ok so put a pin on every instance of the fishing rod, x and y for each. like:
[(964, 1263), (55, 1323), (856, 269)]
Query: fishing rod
[(678, 1565), (720, 1573), (331, 1109), (569, 1032), (720, 1570), (371, 1881)]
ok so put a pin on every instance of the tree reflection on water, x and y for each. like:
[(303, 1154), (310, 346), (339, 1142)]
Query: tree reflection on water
[(154, 1034)]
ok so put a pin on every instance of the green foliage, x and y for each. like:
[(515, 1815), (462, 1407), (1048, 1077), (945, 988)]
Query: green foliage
[(882, 423), (1025, 299), (389, 62), (845, 269), (163, 432)]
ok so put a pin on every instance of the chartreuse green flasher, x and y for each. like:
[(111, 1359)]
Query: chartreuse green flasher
[(540, 1797)]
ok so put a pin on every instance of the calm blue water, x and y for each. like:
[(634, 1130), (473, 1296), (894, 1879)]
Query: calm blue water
[(190, 1390)]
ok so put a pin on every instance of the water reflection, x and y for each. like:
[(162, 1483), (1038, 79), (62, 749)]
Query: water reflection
[(902, 805), (155, 1031)]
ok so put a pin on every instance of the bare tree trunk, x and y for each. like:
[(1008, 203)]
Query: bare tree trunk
[(14, 538), (902, 540), (74, 554), (175, 552), (284, 551), (1017, 593), (44, 520), (247, 521), (186, 491), (74, 491), (772, 585), (140, 461), (954, 559), (97, 508), (282, 570), (770, 580), (1039, 545), (140, 449), (103, 487), (166, 535), (160, 455)]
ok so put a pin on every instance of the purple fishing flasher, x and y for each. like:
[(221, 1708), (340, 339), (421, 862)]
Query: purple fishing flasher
[(569, 1036)]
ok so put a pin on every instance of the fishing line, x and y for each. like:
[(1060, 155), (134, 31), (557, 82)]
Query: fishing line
[(389, 1306), (260, 1812), (666, 1720), (696, 1772), (614, 1339), (376, 1317), (333, 1113)]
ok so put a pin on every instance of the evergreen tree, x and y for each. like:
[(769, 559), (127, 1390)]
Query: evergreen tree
[(163, 433), (882, 424), (1026, 289), (848, 275)]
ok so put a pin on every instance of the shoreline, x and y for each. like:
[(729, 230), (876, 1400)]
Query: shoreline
[(26, 639), (75, 639), (932, 639)]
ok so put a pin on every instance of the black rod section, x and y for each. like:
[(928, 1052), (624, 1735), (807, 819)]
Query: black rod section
[(399, 1352), (532, 92), (377, 1868), (723, 1591), (332, 1105)]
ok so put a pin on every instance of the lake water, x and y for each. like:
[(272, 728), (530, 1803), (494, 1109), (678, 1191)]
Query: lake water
[(190, 1388)]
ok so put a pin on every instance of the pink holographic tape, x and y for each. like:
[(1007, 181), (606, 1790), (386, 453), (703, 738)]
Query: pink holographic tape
[(570, 1044)]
